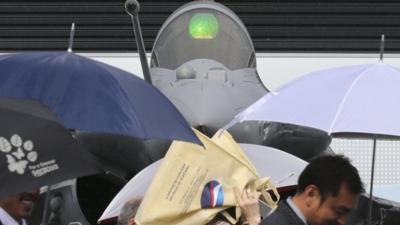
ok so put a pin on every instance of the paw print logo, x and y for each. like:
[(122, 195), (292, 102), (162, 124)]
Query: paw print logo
[(18, 153)]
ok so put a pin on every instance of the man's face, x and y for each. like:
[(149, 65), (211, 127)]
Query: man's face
[(19, 206), (334, 210)]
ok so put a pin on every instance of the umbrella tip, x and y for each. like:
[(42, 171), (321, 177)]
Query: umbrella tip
[(71, 37), (382, 48)]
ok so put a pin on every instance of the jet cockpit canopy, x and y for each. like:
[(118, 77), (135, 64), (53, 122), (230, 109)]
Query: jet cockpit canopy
[(203, 30)]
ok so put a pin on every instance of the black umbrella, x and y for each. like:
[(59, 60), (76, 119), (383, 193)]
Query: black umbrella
[(36, 150)]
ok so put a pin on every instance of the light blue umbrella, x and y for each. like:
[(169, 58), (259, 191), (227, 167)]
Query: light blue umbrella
[(360, 99)]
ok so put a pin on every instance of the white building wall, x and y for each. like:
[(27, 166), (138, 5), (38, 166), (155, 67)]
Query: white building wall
[(274, 69)]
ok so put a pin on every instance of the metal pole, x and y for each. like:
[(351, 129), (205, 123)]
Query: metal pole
[(382, 48), (71, 37), (46, 205), (132, 7), (371, 183)]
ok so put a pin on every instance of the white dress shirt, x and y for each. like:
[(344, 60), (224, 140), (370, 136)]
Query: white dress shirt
[(296, 210), (6, 219)]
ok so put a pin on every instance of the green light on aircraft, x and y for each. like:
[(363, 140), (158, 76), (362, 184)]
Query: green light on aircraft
[(203, 26)]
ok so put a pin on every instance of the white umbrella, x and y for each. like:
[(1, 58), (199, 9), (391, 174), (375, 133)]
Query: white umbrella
[(361, 99), (136, 187), (282, 168)]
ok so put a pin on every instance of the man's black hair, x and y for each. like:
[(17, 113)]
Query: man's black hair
[(328, 173)]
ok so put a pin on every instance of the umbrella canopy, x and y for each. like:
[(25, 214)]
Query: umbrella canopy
[(268, 162), (354, 99), (92, 96), (36, 150)]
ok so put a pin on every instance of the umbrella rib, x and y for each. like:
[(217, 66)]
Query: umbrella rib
[(345, 98)]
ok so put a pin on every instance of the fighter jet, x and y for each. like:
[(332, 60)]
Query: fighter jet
[(203, 60)]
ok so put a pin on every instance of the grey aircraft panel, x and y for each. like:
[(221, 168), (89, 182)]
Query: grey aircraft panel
[(206, 92)]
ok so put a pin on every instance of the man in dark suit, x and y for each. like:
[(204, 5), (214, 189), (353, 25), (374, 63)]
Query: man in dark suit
[(16, 208), (327, 191)]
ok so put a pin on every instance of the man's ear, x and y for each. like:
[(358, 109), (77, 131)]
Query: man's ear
[(131, 221), (312, 195)]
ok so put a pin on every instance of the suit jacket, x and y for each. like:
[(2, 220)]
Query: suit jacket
[(283, 215)]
